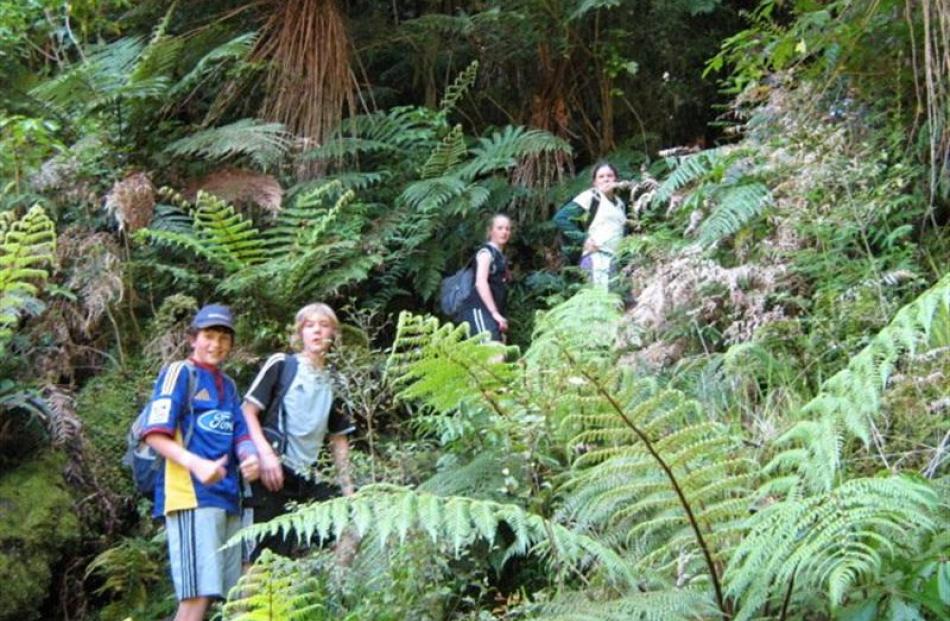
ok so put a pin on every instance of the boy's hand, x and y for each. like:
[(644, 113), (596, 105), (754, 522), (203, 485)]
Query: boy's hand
[(250, 468), (209, 472), (272, 473)]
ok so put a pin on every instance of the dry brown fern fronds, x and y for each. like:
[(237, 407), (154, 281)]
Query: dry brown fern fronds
[(94, 267), (310, 81), (238, 186), (132, 202)]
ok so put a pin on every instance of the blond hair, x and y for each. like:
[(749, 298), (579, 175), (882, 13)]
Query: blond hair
[(316, 309)]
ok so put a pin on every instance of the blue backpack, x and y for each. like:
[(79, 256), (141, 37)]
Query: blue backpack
[(144, 462)]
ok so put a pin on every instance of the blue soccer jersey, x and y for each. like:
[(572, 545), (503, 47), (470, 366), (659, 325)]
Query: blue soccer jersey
[(219, 429)]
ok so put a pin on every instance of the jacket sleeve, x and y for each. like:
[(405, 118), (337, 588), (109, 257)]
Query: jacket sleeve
[(568, 220)]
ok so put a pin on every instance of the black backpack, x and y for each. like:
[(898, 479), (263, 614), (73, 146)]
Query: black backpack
[(458, 287), (274, 424)]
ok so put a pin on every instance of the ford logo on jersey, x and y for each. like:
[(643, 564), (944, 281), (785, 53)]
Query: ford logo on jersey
[(216, 421)]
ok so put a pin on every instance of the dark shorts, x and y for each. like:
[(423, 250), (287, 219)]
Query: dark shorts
[(266, 505), (480, 320)]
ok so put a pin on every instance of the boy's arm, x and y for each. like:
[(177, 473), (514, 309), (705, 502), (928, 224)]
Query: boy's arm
[(205, 470), (244, 447), (256, 401), (340, 447)]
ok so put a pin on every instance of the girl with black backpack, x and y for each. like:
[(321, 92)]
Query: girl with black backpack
[(484, 310)]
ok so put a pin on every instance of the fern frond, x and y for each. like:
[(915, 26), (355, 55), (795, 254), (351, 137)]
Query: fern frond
[(451, 150), (503, 150), (586, 6), (736, 207), (228, 234), (458, 89), (27, 247), (237, 48), (442, 367), (264, 143), (275, 589), (830, 542), (456, 521), (848, 401), (687, 169), (668, 605)]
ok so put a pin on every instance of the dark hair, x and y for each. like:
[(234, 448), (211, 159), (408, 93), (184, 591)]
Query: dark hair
[(192, 332), (601, 164)]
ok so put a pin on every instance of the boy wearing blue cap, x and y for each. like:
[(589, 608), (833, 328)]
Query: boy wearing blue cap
[(198, 491)]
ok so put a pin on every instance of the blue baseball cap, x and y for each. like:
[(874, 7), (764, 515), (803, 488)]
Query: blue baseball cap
[(213, 315)]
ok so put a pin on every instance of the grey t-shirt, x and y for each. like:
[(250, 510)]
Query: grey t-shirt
[(308, 406)]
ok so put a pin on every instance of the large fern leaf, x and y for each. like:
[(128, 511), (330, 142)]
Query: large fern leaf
[(26, 254), (263, 143), (831, 542), (394, 513), (736, 206), (849, 400)]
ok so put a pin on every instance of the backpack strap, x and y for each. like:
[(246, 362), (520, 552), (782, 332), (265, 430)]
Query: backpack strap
[(275, 408), (494, 252), (592, 210)]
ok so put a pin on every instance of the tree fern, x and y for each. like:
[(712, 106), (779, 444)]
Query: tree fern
[(440, 366), (833, 542), (735, 207), (689, 168), (264, 143), (26, 253), (390, 512), (849, 400)]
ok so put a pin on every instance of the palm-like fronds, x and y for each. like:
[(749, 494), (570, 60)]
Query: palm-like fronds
[(736, 206), (263, 143), (849, 400), (831, 542), (689, 168), (390, 512)]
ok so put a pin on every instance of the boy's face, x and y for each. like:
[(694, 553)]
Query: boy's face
[(316, 334), (211, 346)]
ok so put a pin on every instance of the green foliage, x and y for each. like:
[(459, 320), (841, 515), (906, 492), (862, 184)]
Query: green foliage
[(132, 573), (265, 144), (736, 206), (274, 590), (849, 400), (389, 512), (38, 527), (689, 168), (27, 245), (831, 542)]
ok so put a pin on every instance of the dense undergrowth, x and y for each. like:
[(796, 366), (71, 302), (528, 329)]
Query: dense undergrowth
[(754, 425)]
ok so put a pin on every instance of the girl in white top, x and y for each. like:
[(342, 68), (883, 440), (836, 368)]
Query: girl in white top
[(605, 231)]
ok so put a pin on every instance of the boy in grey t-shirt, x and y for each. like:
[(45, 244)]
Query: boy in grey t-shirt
[(309, 417)]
